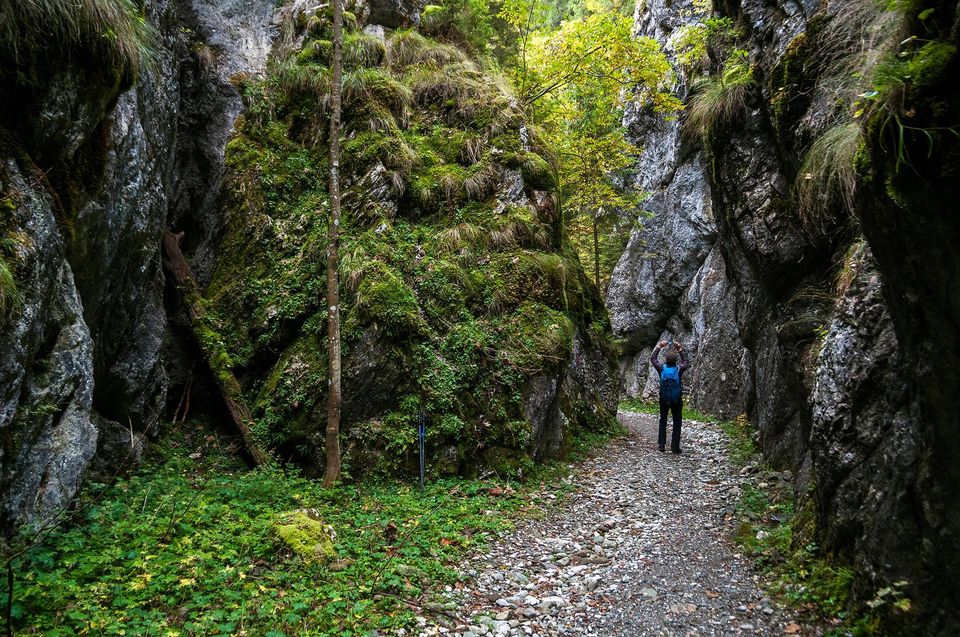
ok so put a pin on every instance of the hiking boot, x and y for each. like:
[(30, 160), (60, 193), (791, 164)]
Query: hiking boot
[(662, 448), (677, 450)]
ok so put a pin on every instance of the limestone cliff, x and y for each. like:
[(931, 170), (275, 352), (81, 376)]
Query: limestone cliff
[(105, 142), (101, 149), (801, 305)]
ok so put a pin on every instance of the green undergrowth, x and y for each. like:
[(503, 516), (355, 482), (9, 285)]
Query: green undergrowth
[(192, 545), (457, 289), (197, 544)]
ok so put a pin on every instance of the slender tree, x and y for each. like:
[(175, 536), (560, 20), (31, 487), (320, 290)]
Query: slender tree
[(332, 471)]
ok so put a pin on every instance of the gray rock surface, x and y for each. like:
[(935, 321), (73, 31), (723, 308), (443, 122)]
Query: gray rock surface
[(864, 419), (838, 378), (395, 13), (46, 357), (84, 351)]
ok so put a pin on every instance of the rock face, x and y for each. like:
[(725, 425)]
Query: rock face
[(813, 326), (89, 166), (460, 300), (102, 149)]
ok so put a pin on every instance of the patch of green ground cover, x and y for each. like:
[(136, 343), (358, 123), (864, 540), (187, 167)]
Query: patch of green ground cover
[(741, 439), (191, 545)]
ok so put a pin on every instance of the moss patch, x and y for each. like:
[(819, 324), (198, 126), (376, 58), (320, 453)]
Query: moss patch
[(304, 532)]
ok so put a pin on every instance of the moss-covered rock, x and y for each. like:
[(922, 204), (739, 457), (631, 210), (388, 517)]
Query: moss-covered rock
[(304, 533), (456, 292)]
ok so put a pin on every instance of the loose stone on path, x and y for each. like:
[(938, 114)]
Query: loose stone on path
[(641, 547)]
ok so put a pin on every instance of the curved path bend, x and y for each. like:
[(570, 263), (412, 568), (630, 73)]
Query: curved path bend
[(640, 547)]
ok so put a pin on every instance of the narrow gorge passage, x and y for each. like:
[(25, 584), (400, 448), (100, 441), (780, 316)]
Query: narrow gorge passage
[(640, 547)]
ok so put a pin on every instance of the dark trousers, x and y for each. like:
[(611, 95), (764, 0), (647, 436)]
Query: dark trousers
[(677, 409)]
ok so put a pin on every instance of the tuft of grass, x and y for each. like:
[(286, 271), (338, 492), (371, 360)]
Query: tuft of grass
[(519, 227), (392, 151), (720, 99), (740, 434), (466, 97), (407, 48), (363, 50), (372, 87), (309, 80), (10, 296), (114, 30), (482, 182), (848, 267), (828, 176), (460, 236)]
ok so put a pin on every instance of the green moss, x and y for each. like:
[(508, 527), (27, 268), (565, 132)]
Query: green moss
[(466, 295), (537, 173), (304, 533), (790, 80), (537, 336), (384, 299)]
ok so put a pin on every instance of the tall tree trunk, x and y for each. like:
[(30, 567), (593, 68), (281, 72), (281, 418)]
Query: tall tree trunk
[(596, 249), (332, 471)]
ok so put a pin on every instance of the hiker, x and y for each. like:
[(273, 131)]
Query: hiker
[(671, 391)]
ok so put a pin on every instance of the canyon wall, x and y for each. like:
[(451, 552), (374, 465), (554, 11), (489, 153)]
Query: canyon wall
[(834, 331)]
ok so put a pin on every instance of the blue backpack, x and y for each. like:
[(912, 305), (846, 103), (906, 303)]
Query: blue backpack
[(670, 385)]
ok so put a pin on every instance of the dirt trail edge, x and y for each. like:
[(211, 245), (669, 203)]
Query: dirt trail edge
[(641, 547)]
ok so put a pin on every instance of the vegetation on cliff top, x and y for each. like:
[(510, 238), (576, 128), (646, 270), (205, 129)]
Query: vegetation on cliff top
[(114, 32)]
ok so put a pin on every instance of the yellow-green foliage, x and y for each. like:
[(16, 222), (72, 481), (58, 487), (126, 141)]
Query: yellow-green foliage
[(454, 295), (303, 532)]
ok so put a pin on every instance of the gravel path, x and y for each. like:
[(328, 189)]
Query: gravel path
[(640, 547)]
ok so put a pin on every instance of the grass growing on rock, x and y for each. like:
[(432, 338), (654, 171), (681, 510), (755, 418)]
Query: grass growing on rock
[(114, 30), (720, 99), (774, 528), (457, 290)]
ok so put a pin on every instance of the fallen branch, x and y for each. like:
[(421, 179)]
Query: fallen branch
[(214, 351)]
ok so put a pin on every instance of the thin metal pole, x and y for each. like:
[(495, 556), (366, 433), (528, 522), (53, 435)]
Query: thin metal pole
[(423, 437)]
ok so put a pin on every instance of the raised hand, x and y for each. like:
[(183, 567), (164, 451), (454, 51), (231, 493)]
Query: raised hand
[(662, 344)]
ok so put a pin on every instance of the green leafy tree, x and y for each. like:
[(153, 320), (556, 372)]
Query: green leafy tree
[(575, 80)]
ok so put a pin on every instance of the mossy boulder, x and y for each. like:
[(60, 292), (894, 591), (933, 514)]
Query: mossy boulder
[(457, 292), (305, 534)]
